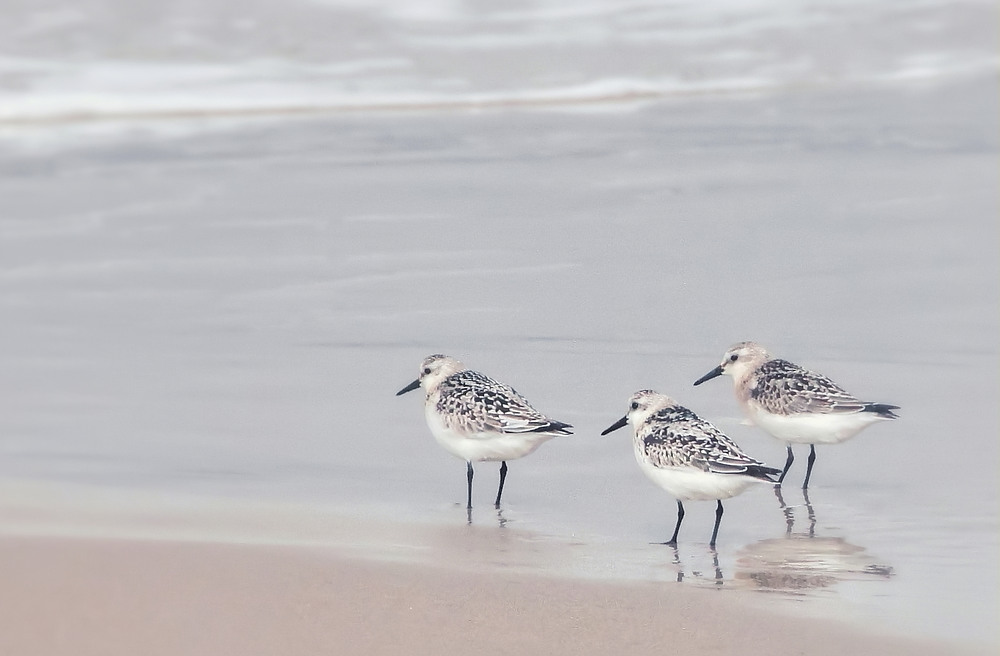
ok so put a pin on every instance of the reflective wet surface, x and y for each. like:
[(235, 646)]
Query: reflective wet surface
[(219, 314)]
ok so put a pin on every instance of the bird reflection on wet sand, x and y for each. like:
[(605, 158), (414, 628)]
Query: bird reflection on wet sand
[(789, 512), (501, 520), (802, 560), (697, 573)]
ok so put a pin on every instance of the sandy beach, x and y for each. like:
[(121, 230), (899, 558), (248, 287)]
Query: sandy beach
[(86, 597), (103, 573)]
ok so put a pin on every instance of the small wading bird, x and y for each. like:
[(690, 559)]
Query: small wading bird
[(479, 419), (688, 456), (795, 405)]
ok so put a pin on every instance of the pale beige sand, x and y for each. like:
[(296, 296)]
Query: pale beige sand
[(84, 596)]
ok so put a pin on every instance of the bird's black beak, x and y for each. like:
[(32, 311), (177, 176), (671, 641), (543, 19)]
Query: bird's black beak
[(615, 426), (710, 375), (409, 388)]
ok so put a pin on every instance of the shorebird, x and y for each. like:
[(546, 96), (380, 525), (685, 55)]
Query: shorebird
[(795, 405), (480, 419), (687, 456)]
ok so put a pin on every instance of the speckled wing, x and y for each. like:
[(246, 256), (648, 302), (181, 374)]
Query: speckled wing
[(781, 387), (677, 437), (474, 403)]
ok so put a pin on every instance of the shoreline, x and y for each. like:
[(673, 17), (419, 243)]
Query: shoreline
[(110, 596), (166, 576)]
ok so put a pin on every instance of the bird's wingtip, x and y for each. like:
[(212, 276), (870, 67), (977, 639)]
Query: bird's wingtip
[(883, 410)]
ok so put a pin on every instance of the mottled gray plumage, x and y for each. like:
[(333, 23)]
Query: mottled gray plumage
[(472, 402), (782, 387), (677, 437)]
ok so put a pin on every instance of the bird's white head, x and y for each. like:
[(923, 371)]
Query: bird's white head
[(434, 369), (739, 361), (641, 406)]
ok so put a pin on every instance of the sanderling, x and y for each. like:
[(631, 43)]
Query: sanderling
[(793, 404), (687, 456), (479, 419)]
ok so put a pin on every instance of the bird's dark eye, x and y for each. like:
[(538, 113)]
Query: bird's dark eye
[(635, 405), (427, 370), (733, 357)]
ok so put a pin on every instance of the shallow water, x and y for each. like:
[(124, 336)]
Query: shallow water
[(225, 308)]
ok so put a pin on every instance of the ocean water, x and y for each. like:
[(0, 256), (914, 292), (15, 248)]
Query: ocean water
[(112, 60), (229, 236)]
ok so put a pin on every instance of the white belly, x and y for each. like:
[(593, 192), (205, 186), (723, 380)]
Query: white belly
[(482, 447), (806, 428), (694, 485)]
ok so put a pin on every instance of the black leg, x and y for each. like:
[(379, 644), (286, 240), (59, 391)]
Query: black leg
[(469, 476), (680, 517), (503, 475), (788, 464), (718, 518), (809, 467)]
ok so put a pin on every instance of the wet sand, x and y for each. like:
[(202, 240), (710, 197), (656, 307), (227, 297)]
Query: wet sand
[(101, 596)]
